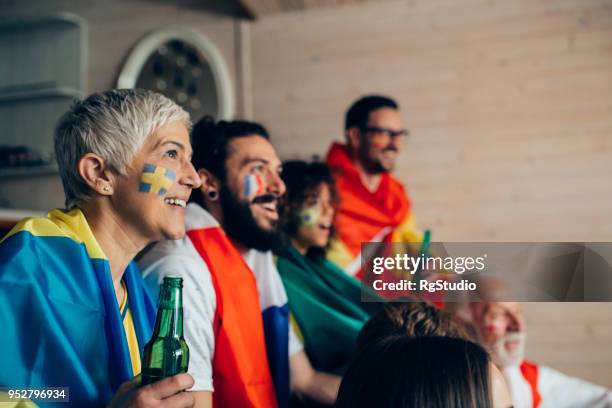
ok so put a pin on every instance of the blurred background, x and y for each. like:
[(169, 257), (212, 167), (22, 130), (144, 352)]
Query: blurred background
[(509, 104)]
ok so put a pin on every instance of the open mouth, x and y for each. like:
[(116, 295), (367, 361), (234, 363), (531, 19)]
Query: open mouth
[(325, 226), (511, 345), (176, 202), (270, 209)]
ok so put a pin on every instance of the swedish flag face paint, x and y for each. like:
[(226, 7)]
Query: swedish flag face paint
[(309, 216), (156, 179)]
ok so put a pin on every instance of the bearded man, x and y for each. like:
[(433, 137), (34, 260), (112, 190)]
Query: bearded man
[(244, 352), (500, 328)]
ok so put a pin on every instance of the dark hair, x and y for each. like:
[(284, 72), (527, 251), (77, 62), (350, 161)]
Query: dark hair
[(359, 112), (302, 179), (210, 141), (411, 319), (404, 372)]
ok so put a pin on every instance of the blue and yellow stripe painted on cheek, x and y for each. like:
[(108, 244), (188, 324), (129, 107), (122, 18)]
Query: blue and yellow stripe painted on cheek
[(156, 179)]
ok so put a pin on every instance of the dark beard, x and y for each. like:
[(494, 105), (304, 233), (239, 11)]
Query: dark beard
[(239, 224), (371, 165)]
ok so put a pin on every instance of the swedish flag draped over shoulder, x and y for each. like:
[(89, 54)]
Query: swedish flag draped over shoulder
[(61, 321)]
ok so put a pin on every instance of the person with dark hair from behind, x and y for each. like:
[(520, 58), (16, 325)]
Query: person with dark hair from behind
[(325, 301), (411, 319), (420, 319), (374, 206), (244, 353), (435, 372)]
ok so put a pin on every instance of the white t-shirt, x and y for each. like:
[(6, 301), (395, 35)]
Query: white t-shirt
[(180, 258), (556, 389)]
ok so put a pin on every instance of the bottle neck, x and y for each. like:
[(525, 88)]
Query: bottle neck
[(169, 321)]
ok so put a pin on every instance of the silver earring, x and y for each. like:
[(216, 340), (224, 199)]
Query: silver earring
[(106, 188)]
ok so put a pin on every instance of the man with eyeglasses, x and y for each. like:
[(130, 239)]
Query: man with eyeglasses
[(374, 206)]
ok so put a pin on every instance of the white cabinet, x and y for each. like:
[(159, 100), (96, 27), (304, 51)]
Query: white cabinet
[(42, 70)]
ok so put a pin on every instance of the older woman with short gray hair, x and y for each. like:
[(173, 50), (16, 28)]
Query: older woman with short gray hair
[(70, 295)]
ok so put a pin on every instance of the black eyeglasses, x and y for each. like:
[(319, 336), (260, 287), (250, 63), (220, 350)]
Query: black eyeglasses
[(390, 133)]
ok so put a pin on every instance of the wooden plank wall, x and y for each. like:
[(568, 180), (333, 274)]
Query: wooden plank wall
[(259, 8), (510, 108)]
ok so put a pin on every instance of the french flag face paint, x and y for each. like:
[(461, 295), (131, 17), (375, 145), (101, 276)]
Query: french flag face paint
[(253, 186)]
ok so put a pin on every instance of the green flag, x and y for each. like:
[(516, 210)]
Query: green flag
[(326, 304)]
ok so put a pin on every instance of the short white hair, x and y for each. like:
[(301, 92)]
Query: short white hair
[(112, 124)]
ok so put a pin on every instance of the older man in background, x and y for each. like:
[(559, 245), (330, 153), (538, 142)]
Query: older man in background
[(500, 327)]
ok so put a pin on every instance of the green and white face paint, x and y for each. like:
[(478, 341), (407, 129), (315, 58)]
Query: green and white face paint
[(309, 216)]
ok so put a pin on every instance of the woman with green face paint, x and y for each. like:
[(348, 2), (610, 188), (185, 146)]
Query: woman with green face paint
[(324, 301)]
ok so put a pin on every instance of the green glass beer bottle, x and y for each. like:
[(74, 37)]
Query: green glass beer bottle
[(166, 354)]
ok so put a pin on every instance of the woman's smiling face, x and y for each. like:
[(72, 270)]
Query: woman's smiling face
[(150, 197)]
